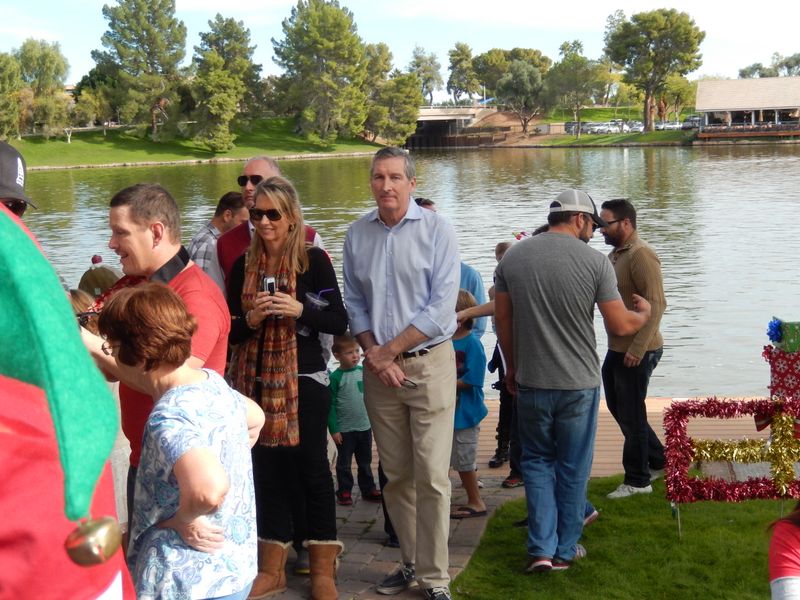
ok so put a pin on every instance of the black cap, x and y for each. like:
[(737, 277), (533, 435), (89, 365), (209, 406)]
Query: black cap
[(12, 175)]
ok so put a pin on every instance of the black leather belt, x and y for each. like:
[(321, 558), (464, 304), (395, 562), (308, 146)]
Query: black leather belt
[(421, 351)]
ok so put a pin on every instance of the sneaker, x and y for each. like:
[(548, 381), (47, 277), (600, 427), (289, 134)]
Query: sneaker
[(437, 593), (624, 490), (590, 518), (402, 579), (344, 498), (301, 564), (480, 484), (372, 496), (499, 459), (656, 474), (561, 564), (539, 564), (513, 481)]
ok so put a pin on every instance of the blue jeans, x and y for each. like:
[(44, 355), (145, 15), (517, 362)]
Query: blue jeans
[(556, 430), (358, 444), (626, 391)]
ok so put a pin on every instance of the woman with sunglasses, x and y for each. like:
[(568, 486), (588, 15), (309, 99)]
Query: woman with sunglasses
[(278, 361)]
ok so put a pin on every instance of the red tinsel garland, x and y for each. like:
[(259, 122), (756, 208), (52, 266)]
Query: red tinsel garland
[(679, 451)]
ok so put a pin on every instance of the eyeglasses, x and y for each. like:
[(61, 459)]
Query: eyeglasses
[(107, 348), (254, 179), (16, 206), (256, 214), (614, 221)]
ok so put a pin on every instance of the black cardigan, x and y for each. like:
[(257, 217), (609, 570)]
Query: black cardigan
[(332, 319)]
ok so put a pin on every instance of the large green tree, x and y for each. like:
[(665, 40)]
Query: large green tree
[(42, 66), (463, 79), (10, 85), (43, 69), (145, 45), (520, 90), (323, 57), (230, 40), (653, 45), (428, 70), (490, 67), (219, 92), (393, 114), (573, 80)]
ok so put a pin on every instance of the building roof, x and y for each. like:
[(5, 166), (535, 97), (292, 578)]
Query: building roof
[(748, 94)]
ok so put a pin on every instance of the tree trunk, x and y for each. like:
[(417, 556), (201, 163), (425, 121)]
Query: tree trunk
[(68, 132)]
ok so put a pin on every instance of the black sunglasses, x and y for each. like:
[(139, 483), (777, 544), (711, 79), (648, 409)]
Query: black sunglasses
[(16, 206), (254, 179), (256, 214), (614, 221)]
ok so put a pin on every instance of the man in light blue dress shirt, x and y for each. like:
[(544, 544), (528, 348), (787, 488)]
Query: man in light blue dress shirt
[(401, 280)]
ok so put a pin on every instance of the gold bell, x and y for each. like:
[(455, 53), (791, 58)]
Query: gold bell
[(94, 541)]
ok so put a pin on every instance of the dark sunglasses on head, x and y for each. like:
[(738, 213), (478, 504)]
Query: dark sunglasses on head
[(254, 179), (256, 214), (16, 206)]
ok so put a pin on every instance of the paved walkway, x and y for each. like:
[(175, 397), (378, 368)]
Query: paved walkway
[(366, 561)]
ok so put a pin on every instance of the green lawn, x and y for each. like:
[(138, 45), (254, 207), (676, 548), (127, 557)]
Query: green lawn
[(267, 136), (634, 552)]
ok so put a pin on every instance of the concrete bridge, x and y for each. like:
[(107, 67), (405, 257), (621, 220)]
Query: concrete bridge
[(463, 115)]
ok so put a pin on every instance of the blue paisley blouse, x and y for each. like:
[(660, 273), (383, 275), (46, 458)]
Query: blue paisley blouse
[(203, 415)]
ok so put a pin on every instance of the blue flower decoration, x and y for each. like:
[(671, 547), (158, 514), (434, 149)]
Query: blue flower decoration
[(774, 330)]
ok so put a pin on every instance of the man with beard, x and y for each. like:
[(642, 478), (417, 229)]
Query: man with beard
[(631, 359)]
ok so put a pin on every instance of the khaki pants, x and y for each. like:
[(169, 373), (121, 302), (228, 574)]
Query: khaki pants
[(413, 431)]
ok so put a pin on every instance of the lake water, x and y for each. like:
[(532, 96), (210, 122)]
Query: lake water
[(724, 221)]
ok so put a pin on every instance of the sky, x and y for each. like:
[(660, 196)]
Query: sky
[(735, 37)]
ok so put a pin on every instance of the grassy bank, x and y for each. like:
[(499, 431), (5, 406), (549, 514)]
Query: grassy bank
[(651, 138), (274, 137), (634, 552)]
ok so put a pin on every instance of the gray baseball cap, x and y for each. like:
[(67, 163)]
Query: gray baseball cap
[(577, 201), (12, 175)]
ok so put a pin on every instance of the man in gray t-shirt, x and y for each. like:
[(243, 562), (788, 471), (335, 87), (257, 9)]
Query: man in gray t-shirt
[(546, 288)]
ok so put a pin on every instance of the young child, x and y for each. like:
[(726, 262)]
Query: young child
[(470, 410), (349, 424)]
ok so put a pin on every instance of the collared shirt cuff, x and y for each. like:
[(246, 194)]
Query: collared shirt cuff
[(359, 324), (428, 326)]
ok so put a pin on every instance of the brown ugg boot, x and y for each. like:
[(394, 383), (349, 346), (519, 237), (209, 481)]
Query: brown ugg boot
[(271, 578), (323, 556)]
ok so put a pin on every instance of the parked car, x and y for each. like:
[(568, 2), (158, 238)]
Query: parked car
[(622, 125), (569, 127), (637, 127), (671, 126), (692, 122)]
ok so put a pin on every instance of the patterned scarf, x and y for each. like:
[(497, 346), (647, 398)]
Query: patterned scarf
[(277, 365)]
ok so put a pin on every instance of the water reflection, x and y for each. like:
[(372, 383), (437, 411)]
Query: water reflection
[(721, 219)]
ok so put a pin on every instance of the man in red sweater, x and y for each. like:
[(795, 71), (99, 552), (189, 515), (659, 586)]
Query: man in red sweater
[(145, 234)]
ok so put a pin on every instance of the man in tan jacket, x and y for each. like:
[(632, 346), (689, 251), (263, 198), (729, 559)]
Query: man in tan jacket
[(631, 359)]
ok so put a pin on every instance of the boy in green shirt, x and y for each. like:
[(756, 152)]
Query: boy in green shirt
[(349, 424)]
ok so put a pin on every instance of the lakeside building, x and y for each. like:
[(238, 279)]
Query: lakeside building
[(760, 107)]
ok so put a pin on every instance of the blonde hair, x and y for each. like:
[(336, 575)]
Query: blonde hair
[(465, 300), (283, 195)]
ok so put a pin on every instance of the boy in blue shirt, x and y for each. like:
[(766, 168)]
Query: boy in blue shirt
[(470, 410), (349, 424)]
